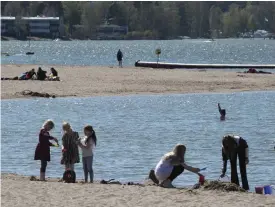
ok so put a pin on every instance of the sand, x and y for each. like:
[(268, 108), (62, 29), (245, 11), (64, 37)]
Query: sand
[(19, 191), (98, 81)]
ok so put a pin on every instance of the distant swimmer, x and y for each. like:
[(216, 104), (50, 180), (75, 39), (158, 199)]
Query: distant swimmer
[(222, 112)]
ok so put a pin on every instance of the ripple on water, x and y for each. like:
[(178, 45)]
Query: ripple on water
[(135, 131), (104, 52)]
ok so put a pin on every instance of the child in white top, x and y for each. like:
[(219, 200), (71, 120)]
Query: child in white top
[(87, 144)]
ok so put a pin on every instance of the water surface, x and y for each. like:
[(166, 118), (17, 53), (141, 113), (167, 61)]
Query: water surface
[(234, 51), (135, 131)]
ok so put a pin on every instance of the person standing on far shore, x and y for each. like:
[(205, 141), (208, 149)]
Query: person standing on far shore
[(119, 58)]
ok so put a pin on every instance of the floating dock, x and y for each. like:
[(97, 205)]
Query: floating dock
[(200, 66)]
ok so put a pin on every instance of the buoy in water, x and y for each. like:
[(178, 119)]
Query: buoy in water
[(5, 54), (158, 51), (29, 53)]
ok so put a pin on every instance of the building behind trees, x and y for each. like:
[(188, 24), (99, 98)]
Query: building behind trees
[(30, 26), (151, 20)]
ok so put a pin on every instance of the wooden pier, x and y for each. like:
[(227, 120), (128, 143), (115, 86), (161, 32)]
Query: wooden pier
[(200, 66)]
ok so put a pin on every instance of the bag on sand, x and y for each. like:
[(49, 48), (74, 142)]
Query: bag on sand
[(69, 176)]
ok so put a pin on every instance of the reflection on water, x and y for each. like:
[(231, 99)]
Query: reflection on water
[(257, 51), (135, 131)]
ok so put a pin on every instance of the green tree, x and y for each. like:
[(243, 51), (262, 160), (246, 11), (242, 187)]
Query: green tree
[(215, 23), (72, 13), (13, 8)]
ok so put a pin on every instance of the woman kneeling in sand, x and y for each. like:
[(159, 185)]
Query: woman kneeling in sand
[(171, 166)]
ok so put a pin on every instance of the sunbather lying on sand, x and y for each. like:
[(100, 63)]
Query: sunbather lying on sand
[(24, 76)]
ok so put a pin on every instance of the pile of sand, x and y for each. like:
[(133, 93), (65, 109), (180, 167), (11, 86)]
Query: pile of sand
[(222, 186)]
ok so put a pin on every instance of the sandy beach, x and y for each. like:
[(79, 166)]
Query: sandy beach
[(19, 191), (98, 81)]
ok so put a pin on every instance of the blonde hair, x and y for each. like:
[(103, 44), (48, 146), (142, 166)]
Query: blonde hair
[(175, 152), (48, 123), (66, 126)]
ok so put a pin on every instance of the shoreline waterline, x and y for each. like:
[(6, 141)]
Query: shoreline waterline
[(138, 94)]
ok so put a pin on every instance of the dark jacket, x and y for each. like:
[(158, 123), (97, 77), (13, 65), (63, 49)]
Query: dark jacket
[(42, 151), (70, 153), (241, 146), (119, 56), (54, 72), (41, 74)]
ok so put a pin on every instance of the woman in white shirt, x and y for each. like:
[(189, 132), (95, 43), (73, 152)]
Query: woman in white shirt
[(171, 166)]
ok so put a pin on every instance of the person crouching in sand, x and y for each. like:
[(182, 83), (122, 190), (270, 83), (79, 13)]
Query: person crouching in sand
[(233, 147), (87, 144), (42, 151), (171, 166)]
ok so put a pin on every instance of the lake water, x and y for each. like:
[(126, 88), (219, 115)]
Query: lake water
[(135, 131), (258, 51)]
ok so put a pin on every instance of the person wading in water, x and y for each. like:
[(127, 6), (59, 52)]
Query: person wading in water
[(222, 112)]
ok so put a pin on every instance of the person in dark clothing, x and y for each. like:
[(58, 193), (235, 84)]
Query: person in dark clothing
[(119, 58), (222, 112), (233, 147), (42, 151), (70, 153), (30, 74), (54, 72), (41, 74)]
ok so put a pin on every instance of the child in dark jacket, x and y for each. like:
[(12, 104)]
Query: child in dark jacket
[(42, 151), (233, 147)]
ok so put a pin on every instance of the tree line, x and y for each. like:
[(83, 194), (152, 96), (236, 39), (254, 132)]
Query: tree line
[(154, 20)]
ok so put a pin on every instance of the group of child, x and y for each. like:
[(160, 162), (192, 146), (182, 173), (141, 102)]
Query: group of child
[(39, 75), (170, 166), (70, 152)]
